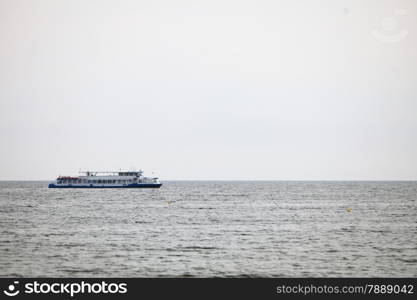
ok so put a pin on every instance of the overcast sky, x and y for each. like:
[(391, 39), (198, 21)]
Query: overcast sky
[(283, 90)]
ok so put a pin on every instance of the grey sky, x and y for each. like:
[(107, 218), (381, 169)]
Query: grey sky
[(209, 89)]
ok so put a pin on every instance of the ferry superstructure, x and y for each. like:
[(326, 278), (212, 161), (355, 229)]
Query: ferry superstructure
[(118, 179)]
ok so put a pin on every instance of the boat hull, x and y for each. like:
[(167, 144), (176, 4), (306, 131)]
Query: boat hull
[(92, 186)]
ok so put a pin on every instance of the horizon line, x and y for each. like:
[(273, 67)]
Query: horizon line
[(260, 180)]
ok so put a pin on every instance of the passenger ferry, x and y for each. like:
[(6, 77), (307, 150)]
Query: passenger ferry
[(94, 179)]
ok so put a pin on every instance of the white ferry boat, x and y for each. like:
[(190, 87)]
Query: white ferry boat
[(94, 179)]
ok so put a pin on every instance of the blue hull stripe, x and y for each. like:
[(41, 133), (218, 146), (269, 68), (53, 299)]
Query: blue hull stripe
[(133, 185)]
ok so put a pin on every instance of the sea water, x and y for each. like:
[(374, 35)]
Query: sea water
[(210, 229)]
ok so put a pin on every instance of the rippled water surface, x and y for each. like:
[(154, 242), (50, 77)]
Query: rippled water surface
[(205, 229)]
